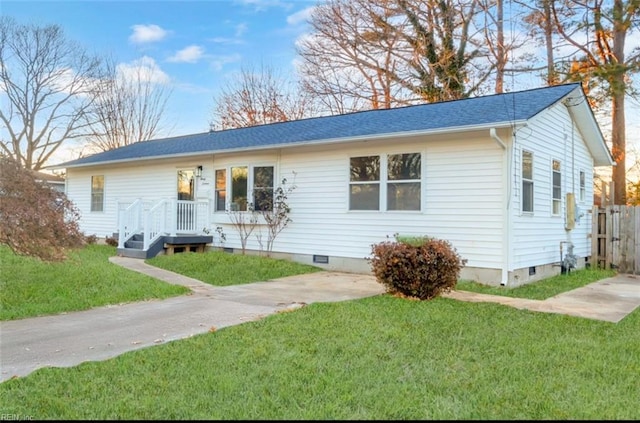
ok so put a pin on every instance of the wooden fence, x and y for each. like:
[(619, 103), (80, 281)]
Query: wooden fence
[(615, 238)]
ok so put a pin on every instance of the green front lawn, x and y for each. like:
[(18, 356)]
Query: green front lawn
[(378, 358), (222, 269), (543, 289), (30, 287)]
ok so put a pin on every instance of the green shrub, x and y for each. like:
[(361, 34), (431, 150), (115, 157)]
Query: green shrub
[(419, 267), (414, 241)]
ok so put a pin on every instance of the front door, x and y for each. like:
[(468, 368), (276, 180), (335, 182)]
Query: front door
[(186, 195)]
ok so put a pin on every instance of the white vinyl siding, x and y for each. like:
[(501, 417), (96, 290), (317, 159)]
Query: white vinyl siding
[(461, 200), (149, 181), (535, 239)]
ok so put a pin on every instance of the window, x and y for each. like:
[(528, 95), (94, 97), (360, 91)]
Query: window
[(186, 185), (259, 178), (557, 188), (405, 171), (263, 188), (395, 176), (364, 183), (239, 181), (527, 181), (221, 190), (582, 186), (97, 193)]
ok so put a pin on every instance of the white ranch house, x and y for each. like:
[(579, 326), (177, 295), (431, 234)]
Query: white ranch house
[(507, 179)]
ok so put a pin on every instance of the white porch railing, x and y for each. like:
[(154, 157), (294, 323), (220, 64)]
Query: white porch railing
[(155, 222), (130, 222), (165, 217)]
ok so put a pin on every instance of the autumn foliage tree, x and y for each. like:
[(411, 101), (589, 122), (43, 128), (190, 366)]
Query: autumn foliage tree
[(35, 220)]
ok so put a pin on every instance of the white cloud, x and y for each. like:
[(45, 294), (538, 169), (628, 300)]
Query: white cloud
[(300, 17), (262, 5), (223, 40), (147, 34), (190, 54), (144, 68), (241, 29), (218, 62)]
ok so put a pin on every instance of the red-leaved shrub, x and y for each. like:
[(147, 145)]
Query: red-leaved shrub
[(420, 269)]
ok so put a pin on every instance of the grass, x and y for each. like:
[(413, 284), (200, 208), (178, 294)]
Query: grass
[(30, 287), (222, 269), (543, 289), (380, 358)]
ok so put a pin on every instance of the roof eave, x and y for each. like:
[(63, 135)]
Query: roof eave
[(406, 134), (583, 115)]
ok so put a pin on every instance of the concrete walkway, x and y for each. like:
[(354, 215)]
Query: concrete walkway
[(98, 334), (609, 299)]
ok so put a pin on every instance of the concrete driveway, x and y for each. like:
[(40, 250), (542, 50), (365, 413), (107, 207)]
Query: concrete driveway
[(69, 339)]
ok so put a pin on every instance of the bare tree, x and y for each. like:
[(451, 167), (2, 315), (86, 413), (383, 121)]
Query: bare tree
[(387, 53), (129, 107), (257, 98), (275, 212), (601, 64), (348, 59), (48, 82)]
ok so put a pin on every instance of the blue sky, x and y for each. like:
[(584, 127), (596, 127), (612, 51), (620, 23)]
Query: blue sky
[(194, 46)]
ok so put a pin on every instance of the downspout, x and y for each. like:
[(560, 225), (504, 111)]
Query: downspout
[(506, 170)]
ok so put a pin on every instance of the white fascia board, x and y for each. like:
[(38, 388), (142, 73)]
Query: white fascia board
[(305, 143), (583, 115)]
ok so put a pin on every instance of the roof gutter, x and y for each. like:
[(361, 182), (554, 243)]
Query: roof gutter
[(300, 144)]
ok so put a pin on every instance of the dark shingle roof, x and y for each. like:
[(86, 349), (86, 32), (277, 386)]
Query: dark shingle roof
[(476, 111)]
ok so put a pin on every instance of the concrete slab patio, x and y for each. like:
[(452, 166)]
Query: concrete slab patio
[(105, 332)]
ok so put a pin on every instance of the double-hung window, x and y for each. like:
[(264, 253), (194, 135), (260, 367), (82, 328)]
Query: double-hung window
[(403, 181), (248, 186), (556, 197), (97, 193), (527, 181), (221, 190), (239, 188), (583, 189), (364, 183), (263, 188), (394, 177)]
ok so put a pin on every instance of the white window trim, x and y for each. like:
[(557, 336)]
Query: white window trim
[(104, 190), (228, 180), (384, 181), (582, 191), (533, 183), (552, 186)]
